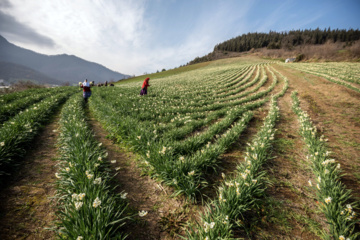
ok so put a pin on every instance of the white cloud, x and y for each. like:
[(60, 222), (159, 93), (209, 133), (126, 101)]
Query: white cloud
[(94, 30)]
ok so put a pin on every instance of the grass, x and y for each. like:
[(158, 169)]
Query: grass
[(163, 74)]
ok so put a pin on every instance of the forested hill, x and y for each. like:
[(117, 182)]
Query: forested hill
[(275, 40), (284, 40)]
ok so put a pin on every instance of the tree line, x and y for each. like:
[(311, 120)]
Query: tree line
[(285, 40)]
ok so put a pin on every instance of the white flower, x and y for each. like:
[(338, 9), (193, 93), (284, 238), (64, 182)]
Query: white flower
[(99, 144), (328, 200), (78, 205), (139, 137), (348, 208), (97, 180), (117, 169), (67, 169), (100, 159), (163, 150), (181, 158), (209, 226), (96, 202), (79, 238), (143, 213), (341, 237), (90, 176), (74, 196), (191, 173), (57, 175), (2, 144), (81, 196), (113, 161), (310, 183), (123, 195)]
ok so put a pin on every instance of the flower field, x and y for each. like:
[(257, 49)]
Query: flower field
[(183, 133)]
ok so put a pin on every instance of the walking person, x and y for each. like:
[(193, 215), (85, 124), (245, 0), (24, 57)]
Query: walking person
[(86, 90), (144, 86)]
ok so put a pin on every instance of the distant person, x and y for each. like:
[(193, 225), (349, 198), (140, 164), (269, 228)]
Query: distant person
[(106, 83), (86, 90), (144, 86)]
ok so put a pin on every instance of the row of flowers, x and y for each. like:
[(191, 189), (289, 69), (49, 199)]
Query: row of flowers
[(243, 190), (332, 76), (17, 133), (173, 152), (88, 208), (13, 106), (332, 195)]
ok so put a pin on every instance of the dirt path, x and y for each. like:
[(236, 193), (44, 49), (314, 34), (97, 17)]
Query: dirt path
[(26, 208), (165, 214)]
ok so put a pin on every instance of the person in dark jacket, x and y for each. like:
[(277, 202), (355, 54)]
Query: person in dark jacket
[(144, 86)]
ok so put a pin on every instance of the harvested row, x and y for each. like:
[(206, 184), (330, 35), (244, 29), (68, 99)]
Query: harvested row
[(333, 197), (88, 208)]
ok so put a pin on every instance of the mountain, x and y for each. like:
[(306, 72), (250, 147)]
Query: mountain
[(65, 68), (11, 73)]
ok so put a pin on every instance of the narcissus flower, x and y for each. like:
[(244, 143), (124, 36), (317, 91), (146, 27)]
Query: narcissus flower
[(97, 180), (328, 200), (96, 202), (123, 195), (78, 205), (143, 213)]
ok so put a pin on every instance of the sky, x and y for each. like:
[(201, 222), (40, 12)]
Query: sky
[(135, 37)]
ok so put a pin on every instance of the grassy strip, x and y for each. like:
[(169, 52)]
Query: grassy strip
[(88, 208), (14, 107), (331, 194), (330, 78)]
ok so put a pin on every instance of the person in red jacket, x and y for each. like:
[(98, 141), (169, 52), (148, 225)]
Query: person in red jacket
[(86, 90), (144, 86)]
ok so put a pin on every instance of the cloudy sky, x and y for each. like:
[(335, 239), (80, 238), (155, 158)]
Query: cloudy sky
[(138, 36)]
